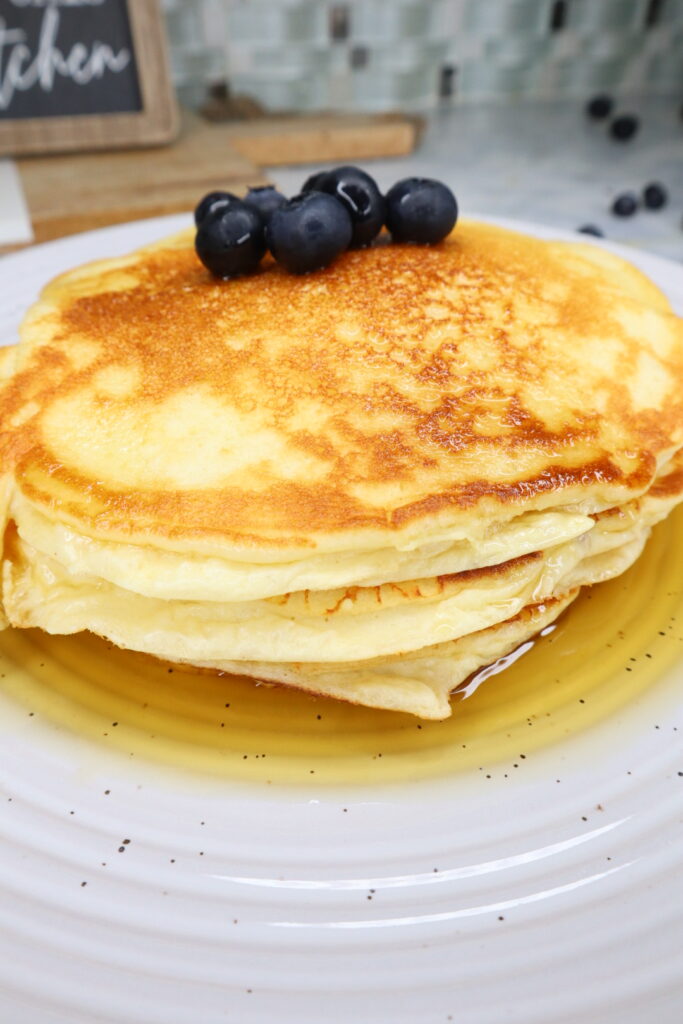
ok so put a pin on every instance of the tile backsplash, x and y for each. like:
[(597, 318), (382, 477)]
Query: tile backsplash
[(374, 55)]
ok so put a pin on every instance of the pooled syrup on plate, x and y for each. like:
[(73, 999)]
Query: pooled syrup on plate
[(606, 649)]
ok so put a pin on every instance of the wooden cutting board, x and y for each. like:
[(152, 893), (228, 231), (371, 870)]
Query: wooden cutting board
[(66, 194)]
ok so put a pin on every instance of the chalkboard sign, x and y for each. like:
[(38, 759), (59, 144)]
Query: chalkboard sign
[(83, 74)]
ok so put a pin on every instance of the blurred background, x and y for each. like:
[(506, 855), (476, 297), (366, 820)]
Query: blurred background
[(378, 55), (502, 86), (489, 96)]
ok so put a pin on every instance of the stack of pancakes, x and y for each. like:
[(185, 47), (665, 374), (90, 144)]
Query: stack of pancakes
[(367, 482)]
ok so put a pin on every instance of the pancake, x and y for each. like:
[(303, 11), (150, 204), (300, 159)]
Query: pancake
[(403, 395), (366, 483), (420, 683), (169, 575)]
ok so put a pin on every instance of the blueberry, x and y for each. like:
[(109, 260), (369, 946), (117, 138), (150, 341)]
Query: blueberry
[(265, 199), (315, 182), (230, 241), (361, 197), (655, 196), (624, 127), (308, 231), (212, 202), (591, 229), (600, 107), (420, 210), (625, 205)]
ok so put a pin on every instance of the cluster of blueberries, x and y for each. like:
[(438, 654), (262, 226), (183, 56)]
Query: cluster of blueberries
[(622, 128), (336, 210), (653, 196)]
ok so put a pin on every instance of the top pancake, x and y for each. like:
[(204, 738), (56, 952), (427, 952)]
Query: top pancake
[(405, 394)]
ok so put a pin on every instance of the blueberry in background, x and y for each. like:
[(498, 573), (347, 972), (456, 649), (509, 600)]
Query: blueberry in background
[(591, 229), (358, 192), (625, 205), (315, 182), (624, 127), (308, 231), (265, 199), (212, 202), (230, 241), (420, 210), (655, 196), (600, 107)]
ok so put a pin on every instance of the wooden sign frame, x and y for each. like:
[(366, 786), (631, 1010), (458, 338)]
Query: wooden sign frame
[(155, 124)]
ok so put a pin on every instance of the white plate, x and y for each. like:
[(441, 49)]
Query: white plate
[(537, 887)]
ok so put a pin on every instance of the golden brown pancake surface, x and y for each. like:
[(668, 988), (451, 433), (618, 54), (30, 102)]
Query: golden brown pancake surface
[(404, 390)]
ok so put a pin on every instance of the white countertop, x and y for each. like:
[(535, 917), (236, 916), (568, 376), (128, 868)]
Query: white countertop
[(546, 162)]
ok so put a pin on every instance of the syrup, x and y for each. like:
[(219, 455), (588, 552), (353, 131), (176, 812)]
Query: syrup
[(610, 646)]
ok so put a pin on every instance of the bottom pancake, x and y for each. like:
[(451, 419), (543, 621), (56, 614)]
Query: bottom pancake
[(418, 684)]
